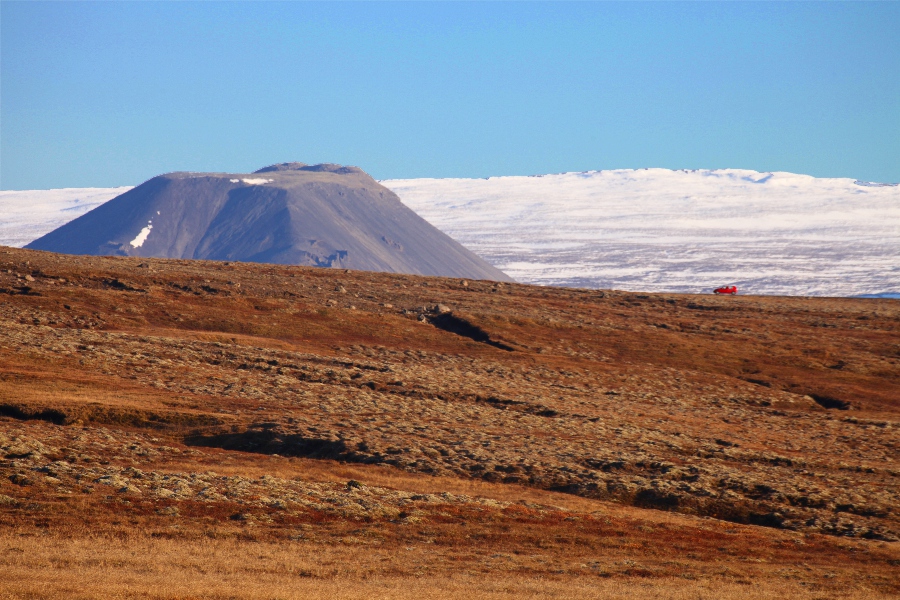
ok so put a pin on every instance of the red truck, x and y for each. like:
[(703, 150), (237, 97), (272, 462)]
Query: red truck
[(726, 289)]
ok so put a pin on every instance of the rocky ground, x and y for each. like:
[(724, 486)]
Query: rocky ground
[(167, 388)]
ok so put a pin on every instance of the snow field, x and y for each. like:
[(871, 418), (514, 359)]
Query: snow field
[(27, 215), (642, 230), (677, 231)]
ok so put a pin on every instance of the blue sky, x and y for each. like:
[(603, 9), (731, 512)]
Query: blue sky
[(104, 94)]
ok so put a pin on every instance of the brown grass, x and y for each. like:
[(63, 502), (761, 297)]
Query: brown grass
[(280, 439), (52, 566)]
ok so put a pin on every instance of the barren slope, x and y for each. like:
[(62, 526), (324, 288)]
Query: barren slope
[(315, 215), (505, 430)]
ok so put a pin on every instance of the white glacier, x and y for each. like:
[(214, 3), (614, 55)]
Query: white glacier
[(680, 231), (645, 229), (29, 214)]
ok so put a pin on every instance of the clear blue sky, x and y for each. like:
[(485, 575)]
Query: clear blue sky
[(113, 93)]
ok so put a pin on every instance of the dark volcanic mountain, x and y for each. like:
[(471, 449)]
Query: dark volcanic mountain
[(317, 215)]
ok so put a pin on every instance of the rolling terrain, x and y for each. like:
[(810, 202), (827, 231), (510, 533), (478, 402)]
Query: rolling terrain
[(178, 428)]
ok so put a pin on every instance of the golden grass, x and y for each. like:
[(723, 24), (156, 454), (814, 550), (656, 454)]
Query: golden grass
[(647, 381), (58, 567)]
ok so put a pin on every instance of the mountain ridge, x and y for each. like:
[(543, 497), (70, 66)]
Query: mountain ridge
[(772, 233), (323, 215), (662, 230)]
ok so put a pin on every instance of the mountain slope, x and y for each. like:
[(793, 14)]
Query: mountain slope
[(320, 215)]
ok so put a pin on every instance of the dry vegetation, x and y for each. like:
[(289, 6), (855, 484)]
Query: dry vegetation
[(179, 429)]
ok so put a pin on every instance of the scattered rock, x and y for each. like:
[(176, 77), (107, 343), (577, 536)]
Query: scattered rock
[(20, 479)]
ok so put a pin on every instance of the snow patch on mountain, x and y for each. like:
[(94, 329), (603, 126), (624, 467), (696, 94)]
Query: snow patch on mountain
[(142, 236), (252, 180)]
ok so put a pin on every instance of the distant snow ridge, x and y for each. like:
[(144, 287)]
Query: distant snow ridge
[(27, 215), (647, 229), (678, 231)]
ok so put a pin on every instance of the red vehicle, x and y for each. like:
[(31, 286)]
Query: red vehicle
[(726, 289)]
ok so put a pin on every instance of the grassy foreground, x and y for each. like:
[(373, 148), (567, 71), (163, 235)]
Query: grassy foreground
[(180, 429)]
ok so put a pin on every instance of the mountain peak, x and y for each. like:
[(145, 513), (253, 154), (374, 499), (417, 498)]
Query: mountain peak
[(319, 168), (325, 215)]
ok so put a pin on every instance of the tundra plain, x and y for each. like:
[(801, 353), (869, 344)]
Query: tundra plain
[(191, 429)]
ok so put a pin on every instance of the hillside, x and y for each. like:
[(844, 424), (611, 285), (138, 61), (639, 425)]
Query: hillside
[(179, 428), (315, 215)]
